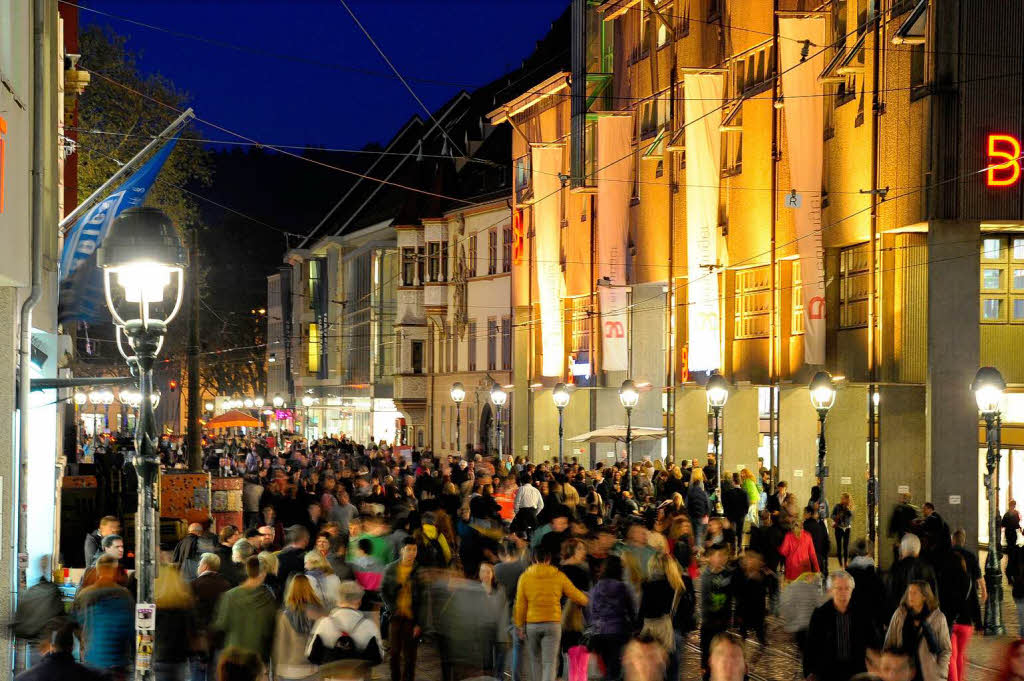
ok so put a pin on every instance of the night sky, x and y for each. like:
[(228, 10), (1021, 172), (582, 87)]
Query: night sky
[(281, 101)]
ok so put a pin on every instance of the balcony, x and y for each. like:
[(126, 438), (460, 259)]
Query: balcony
[(410, 307), (435, 296)]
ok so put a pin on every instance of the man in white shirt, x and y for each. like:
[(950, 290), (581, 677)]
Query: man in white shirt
[(527, 504)]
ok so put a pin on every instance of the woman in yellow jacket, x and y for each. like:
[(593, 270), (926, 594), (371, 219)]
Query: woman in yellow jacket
[(538, 612)]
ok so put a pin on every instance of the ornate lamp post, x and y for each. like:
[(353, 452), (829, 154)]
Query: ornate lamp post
[(717, 393), (988, 387), (560, 396), (141, 257), (498, 399), (823, 396), (458, 394), (628, 397)]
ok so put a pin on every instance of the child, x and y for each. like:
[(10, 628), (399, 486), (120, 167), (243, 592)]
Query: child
[(754, 582), (716, 582)]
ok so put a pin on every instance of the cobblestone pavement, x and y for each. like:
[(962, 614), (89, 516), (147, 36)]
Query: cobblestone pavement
[(779, 660)]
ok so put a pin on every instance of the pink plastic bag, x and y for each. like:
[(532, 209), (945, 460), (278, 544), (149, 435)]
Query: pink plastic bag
[(579, 657)]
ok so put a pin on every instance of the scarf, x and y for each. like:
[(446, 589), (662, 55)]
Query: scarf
[(300, 621)]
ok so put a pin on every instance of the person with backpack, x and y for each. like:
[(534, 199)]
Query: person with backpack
[(187, 552), (346, 639), (434, 551)]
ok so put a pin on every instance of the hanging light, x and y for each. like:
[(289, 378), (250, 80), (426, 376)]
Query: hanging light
[(154, 398), (95, 397), (258, 402), (209, 406), (307, 401), (108, 397)]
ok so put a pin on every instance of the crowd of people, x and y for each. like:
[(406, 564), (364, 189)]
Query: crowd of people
[(351, 555)]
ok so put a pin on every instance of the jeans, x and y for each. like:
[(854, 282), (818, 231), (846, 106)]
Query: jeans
[(961, 636), (842, 545), (699, 530), (515, 666), (542, 639), (403, 647)]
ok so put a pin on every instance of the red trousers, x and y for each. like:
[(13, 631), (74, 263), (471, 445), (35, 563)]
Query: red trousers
[(958, 640)]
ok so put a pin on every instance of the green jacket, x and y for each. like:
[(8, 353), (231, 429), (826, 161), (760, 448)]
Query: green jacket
[(245, 616)]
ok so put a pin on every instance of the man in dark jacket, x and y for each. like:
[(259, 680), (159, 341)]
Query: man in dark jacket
[(58, 662), (735, 504), (815, 526), (291, 558), (870, 591), (401, 593), (901, 521), (186, 553), (910, 567), (93, 541), (839, 636)]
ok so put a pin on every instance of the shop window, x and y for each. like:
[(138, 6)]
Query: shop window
[(1002, 279), (313, 354), (753, 303), (797, 300), (471, 350), (854, 284)]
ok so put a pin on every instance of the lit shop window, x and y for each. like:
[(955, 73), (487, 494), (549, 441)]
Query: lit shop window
[(1002, 280)]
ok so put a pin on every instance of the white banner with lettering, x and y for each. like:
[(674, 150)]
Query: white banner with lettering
[(802, 93), (614, 186), (547, 163), (703, 115)]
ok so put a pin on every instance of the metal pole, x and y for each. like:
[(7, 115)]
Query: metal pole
[(147, 467), (561, 433), (458, 428), (822, 469), (128, 167), (194, 442), (497, 425), (718, 460), (993, 577), (629, 448)]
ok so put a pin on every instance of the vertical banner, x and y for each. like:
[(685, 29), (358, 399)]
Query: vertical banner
[(547, 164), (614, 186), (321, 308), (81, 296), (703, 115), (804, 131)]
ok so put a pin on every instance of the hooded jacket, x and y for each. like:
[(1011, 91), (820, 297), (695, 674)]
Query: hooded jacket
[(539, 595)]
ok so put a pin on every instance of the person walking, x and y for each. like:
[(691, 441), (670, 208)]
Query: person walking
[(207, 589), (58, 660), (175, 635), (842, 521), (918, 628), (735, 505), (104, 611), (538, 612), (359, 631), (109, 524), (295, 621), (610, 617), (402, 595), (291, 559), (909, 568), (325, 583), (798, 552), (716, 599), (245, 615), (839, 636), (698, 507)]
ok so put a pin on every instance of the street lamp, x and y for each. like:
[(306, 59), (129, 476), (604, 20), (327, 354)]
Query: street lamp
[(278, 401), (823, 396), (628, 397), (258, 402), (248, 402), (141, 256), (498, 398), (988, 387), (458, 394), (717, 390), (208, 406), (560, 396), (95, 397)]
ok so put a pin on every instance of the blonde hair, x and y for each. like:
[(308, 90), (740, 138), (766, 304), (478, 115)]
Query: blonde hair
[(314, 561), (697, 475), (661, 563), (746, 474), (268, 561), (572, 497), (300, 593), (170, 590), (845, 498)]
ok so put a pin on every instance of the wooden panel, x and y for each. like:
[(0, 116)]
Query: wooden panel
[(185, 496), (227, 501)]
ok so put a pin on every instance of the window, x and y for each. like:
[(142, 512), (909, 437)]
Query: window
[(679, 124), (752, 71), (1002, 279), (492, 339), (579, 325), (471, 350), (408, 267), (732, 145), (492, 251), (434, 261), (715, 10), (590, 154), (506, 248), (472, 256), (455, 348), (417, 356), (753, 302), (839, 23), (313, 282), (655, 114), (444, 261), (797, 300), (421, 264), (506, 342), (524, 178), (854, 283), (313, 355)]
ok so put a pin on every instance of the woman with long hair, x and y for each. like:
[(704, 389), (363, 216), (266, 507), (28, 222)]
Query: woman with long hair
[(918, 628), (174, 641), (842, 521), (698, 506), (666, 602), (302, 608), (326, 584)]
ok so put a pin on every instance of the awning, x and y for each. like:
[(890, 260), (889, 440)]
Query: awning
[(618, 434), (911, 31), (233, 419)]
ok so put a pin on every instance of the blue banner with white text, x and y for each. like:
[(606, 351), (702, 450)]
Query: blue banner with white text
[(81, 282)]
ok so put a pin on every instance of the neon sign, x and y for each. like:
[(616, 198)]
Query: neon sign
[(1004, 160)]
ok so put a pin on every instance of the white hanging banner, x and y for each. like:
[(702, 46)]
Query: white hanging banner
[(547, 163), (802, 93), (703, 115), (614, 186)]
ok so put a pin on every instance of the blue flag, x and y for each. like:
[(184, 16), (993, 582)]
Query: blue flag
[(81, 282)]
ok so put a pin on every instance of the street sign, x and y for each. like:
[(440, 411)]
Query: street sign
[(793, 200), (903, 489)]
